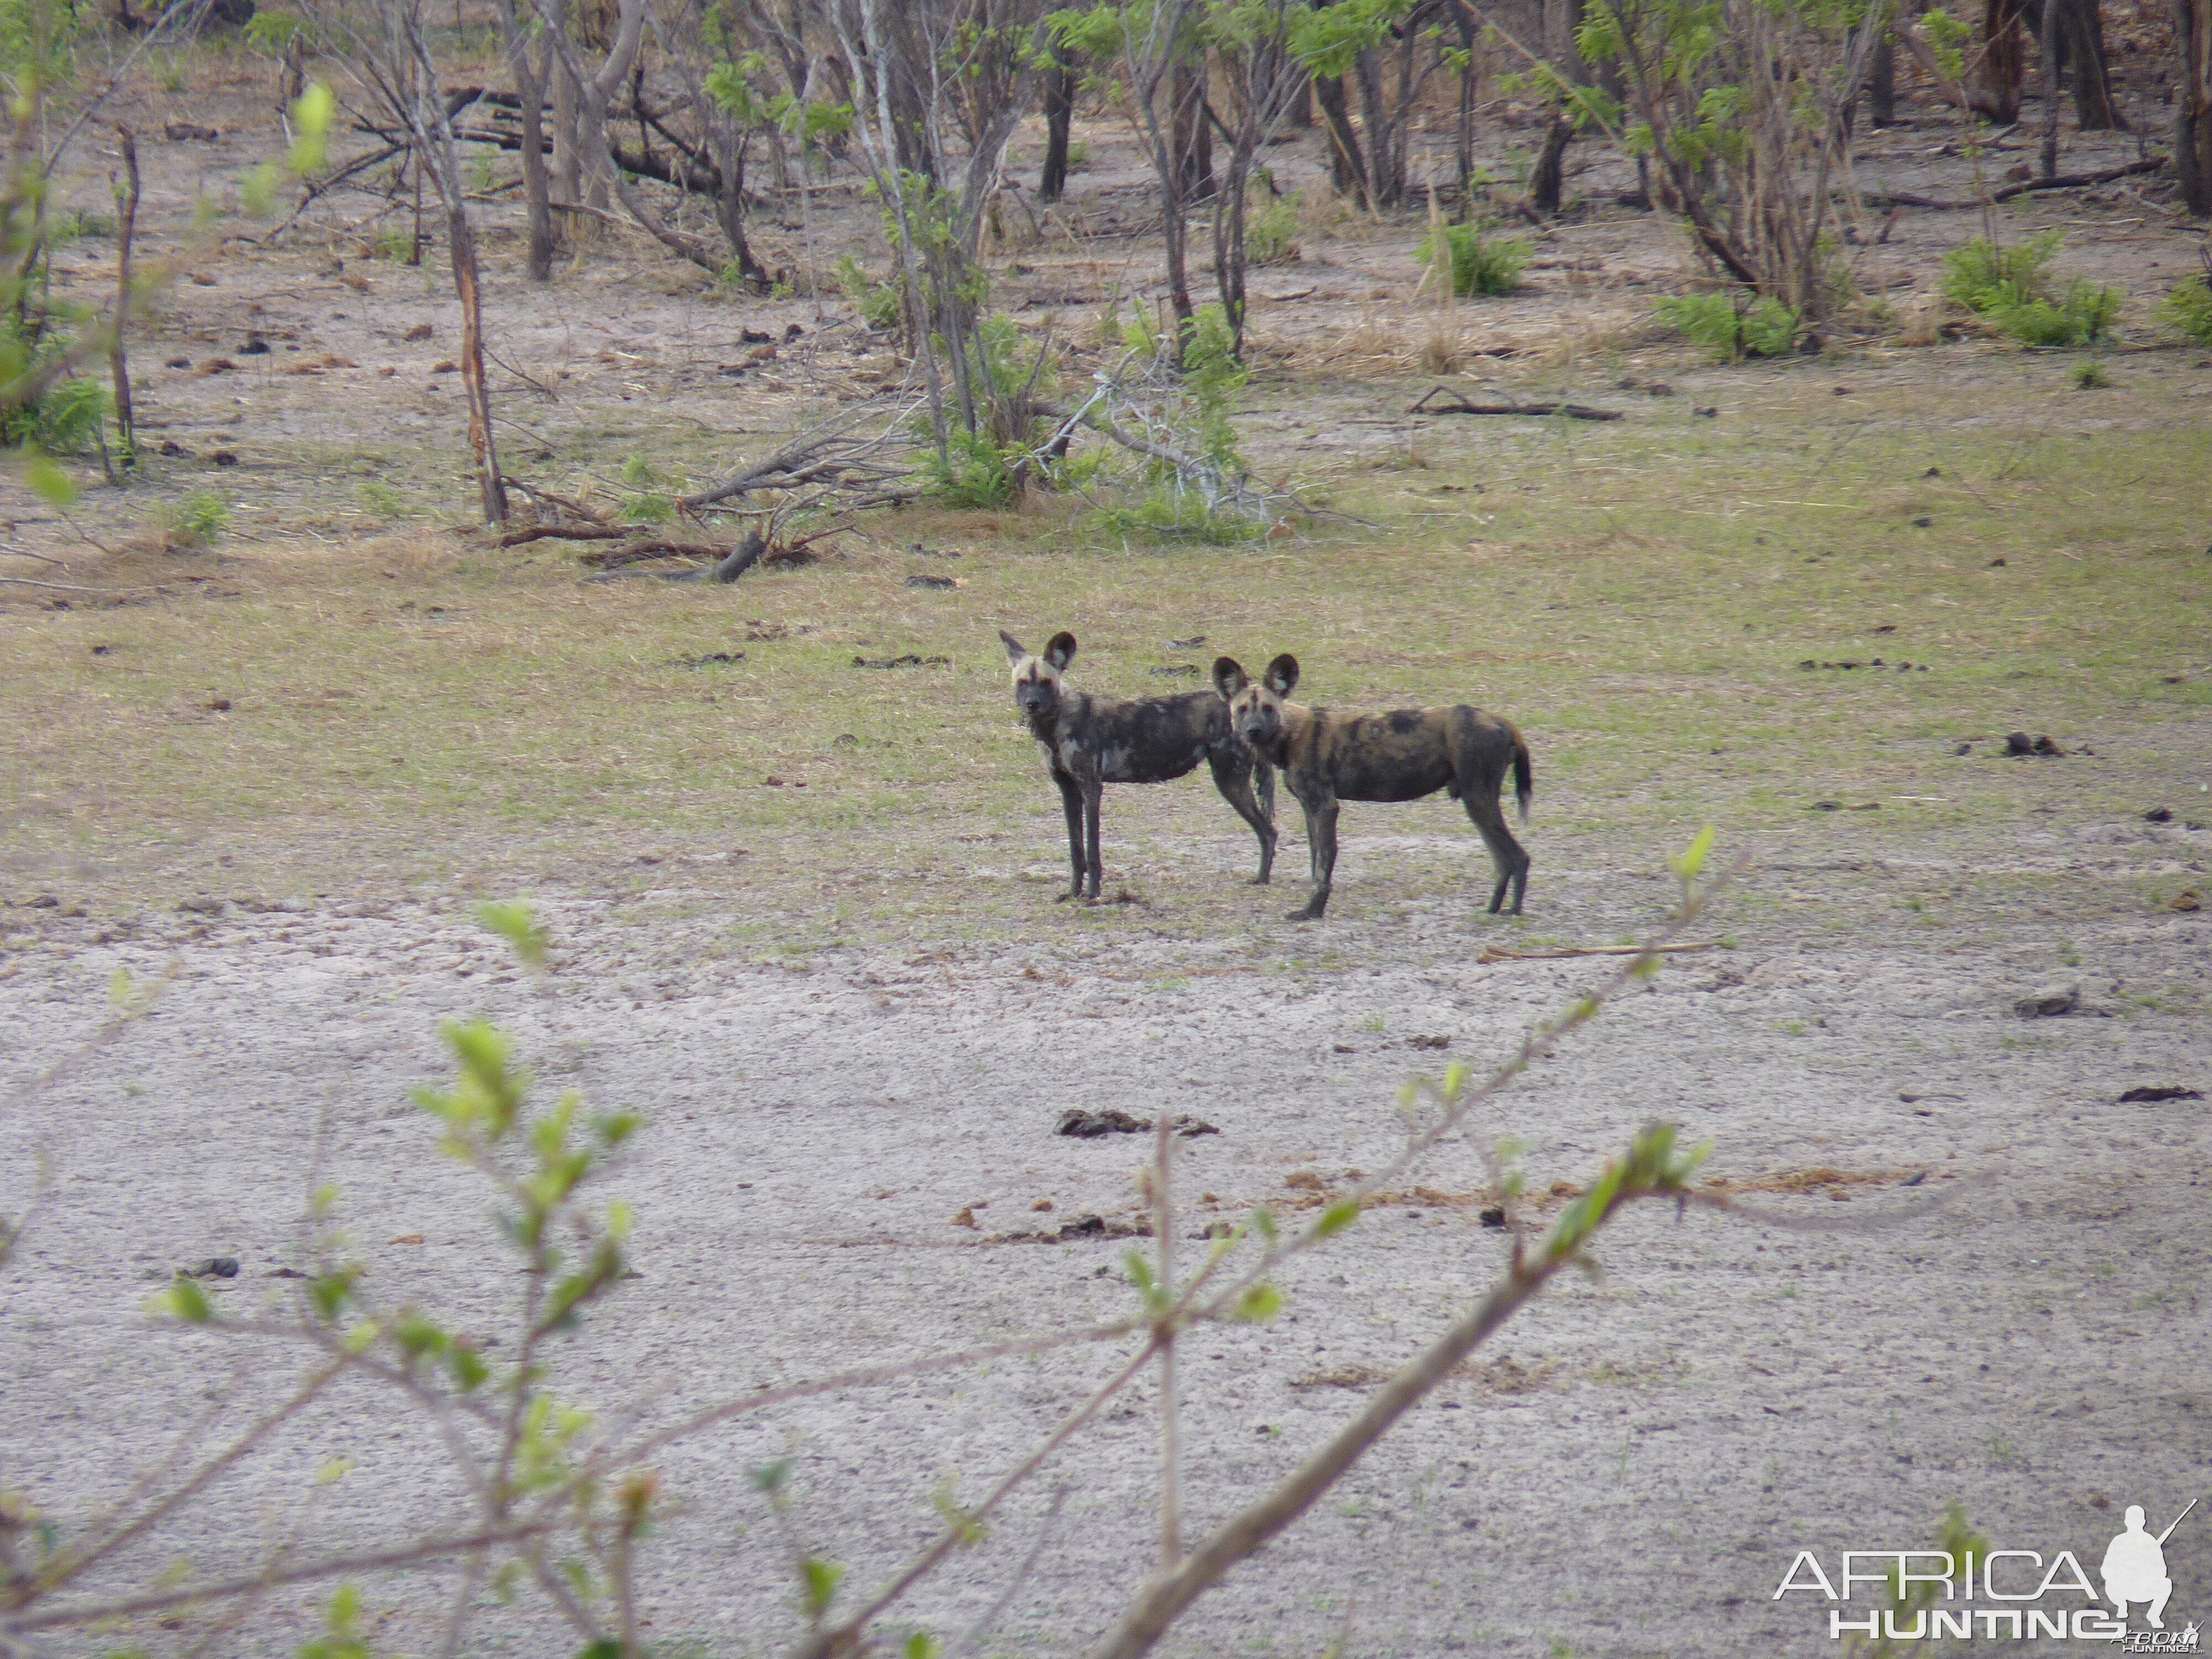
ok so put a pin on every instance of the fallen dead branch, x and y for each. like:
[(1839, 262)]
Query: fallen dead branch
[(2024, 187), (579, 532), (614, 558), (1495, 953), (732, 564), (1461, 405), (73, 588), (539, 497), (831, 455)]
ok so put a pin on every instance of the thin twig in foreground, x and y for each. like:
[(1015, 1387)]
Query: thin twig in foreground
[(400, 1555)]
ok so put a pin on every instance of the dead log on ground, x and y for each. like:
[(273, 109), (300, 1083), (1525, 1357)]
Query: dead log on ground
[(580, 532), (1461, 405), (2025, 187)]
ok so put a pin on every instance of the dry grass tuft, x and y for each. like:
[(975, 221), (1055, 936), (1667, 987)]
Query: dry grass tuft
[(1923, 321)]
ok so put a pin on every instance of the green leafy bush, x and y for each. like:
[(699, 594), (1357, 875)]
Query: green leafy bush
[(974, 472), (990, 466), (1983, 276), (1478, 265), (1271, 227), (1180, 516), (68, 420), (2013, 288), (2082, 315), (651, 504), (2188, 310), (199, 521), (1731, 329), (880, 303)]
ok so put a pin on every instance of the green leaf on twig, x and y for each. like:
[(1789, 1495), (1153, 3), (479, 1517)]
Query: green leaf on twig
[(1335, 1218), (1258, 1305), (510, 919), (821, 1579)]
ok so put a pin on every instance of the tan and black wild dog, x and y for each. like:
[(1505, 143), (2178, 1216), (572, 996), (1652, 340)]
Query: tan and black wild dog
[(1327, 758), (1089, 742)]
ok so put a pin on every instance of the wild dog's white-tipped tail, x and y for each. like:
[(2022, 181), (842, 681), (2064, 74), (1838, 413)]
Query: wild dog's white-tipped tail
[(1524, 783)]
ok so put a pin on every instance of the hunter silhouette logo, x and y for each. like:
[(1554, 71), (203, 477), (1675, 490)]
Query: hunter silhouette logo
[(2135, 1567), (1929, 1594)]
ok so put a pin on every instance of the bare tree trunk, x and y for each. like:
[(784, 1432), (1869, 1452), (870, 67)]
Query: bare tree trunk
[(730, 214), (2004, 59), (568, 181), (1881, 87), (126, 226), (1347, 164), (1193, 134), (1546, 182), (2082, 44), (1059, 117), (2050, 100), (1463, 126), (1229, 259), (1386, 157), (2192, 104), (530, 96), (436, 152), (491, 488)]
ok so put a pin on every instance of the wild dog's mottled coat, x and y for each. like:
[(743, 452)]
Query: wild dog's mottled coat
[(1327, 758), (1089, 742)]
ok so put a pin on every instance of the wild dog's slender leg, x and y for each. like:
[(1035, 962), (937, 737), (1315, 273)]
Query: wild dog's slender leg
[(1508, 858), (1092, 789), (1232, 776), (1071, 806), (1320, 837)]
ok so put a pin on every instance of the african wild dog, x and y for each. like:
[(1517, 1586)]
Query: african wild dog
[(1089, 742), (1327, 757)]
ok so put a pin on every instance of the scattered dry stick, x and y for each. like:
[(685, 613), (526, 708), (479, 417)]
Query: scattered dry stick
[(1497, 953), (68, 587), (1461, 405), (537, 496)]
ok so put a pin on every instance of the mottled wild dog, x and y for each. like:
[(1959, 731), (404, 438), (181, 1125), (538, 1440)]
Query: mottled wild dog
[(1089, 742), (1327, 758)]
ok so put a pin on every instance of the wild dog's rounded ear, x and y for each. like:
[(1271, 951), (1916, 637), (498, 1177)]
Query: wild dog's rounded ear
[(1015, 649), (1283, 674), (1061, 651), (1229, 677)]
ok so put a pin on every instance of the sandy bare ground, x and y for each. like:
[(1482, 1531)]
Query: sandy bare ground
[(1628, 1472)]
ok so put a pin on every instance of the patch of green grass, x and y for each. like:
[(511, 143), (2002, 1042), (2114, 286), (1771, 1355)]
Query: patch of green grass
[(1642, 597), (1481, 264), (1271, 228), (1732, 326), (2012, 286), (201, 520), (380, 498), (2188, 310)]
